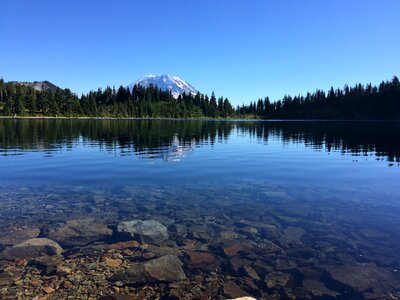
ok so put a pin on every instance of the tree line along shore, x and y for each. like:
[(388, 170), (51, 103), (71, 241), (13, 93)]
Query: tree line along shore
[(360, 102)]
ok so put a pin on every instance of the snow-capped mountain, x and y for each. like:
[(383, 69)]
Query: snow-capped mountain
[(166, 82)]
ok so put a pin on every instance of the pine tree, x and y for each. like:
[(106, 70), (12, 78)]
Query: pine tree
[(30, 101)]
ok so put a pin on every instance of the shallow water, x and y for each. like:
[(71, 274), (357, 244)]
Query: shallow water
[(314, 203)]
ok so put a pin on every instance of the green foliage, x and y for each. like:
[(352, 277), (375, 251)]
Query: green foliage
[(356, 103), (139, 102)]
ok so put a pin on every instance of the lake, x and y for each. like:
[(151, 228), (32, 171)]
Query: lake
[(199, 209)]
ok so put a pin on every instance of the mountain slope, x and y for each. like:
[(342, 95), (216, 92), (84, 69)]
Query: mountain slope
[(39, 85), (166, 82)]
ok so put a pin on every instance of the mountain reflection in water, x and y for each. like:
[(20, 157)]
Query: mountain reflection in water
[(170, 140)]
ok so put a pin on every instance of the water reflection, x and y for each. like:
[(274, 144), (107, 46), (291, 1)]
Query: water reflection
[(255, 207), (176, 151), (171, 140)]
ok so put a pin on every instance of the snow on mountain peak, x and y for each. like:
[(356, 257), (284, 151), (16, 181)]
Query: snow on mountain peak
[(166, 82)]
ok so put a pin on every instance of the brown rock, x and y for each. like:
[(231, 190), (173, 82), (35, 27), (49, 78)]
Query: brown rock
[(250, 272), (232, 290), (63, 270), (48, 289), (249, 284), (148, 255), (124, 245), (234, 249), (67, 285), (21, 262), (197, 259), (262, 268), (277, 279), (236, 263), (188, 244), (35, 282), (127, 252), (118, 297), (113, 263), (13, 271)]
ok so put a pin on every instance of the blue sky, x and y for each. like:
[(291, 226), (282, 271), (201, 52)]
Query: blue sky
[(240, 49)]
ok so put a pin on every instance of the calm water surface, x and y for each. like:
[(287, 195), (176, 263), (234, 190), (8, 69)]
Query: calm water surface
[(311, 207)]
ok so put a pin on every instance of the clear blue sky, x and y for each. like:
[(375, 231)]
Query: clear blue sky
[(240, 49)]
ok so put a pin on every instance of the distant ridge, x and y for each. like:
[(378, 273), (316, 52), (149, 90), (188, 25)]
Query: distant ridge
[(166, 82), (39, 85)]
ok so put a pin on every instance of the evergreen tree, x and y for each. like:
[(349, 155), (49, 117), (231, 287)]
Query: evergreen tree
[(30, 101)]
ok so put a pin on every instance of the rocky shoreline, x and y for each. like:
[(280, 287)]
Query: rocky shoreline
[(39, 268)]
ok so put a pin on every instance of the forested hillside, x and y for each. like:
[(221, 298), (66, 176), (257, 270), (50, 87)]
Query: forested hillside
[(361, 102), (356, 103), (22, 100)]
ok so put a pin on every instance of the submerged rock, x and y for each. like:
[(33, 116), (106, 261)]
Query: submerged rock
[(118, 297), (295, 233), (31, 249), (232, 290), (250, 272), (80, 232), (159, 251), (277, 279), (369, 276), (167, 268), (234, 249), (149, 231), (124, 245), (18, 236), (198, 259), (318, 288), (47, 261), (113, 263)]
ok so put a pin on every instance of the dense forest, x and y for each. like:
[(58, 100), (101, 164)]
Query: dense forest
[(140, 102), (352, 103), (359, 102)]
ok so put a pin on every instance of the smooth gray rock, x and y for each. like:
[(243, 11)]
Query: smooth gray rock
[(149, 231), (31, 249), (167, 268), (80, 232)]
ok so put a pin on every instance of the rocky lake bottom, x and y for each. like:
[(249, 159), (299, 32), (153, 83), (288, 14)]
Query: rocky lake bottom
[(165, 209), (145, 242)]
